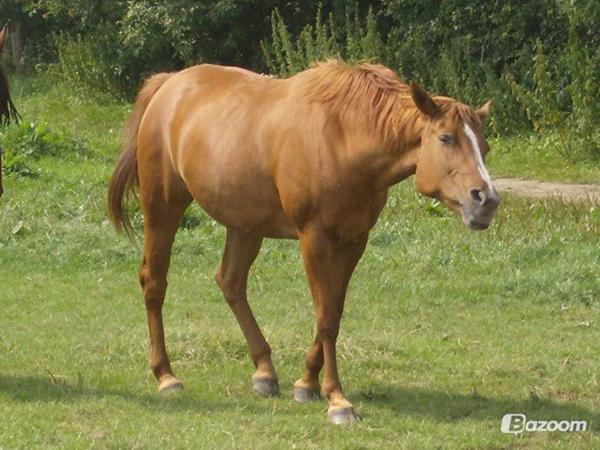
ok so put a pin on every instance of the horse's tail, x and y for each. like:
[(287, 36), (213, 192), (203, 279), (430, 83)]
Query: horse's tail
[(125, 177)]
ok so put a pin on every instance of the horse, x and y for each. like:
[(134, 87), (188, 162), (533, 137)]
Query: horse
[(310, 157), (8, 112)]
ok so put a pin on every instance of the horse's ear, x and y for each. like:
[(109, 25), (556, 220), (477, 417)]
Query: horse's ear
[(484, 112), (3, 35), (423, 100)]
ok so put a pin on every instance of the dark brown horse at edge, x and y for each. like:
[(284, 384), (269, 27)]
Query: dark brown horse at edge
[(310, 157), (8, 112)]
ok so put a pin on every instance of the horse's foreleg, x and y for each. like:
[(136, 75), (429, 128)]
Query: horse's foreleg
[(345, 259), (240, 252), (328, 268), (160, 226)]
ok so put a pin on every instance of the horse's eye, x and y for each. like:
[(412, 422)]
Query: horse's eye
[(446, 139)]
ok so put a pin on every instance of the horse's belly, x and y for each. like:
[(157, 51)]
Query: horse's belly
[(248, 203), (250, 216), (222, 153)]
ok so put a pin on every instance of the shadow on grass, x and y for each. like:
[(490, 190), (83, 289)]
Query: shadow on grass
[(440, 406), (30, 389), (446, 406)]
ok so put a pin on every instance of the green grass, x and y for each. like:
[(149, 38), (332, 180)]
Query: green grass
[(543, 158), (445, 330)]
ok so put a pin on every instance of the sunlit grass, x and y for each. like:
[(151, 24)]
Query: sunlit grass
[(543, 158)]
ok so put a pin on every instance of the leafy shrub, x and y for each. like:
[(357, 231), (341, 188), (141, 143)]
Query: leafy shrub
[(162, 29), (18, 164), (27, 142), (113, 46)]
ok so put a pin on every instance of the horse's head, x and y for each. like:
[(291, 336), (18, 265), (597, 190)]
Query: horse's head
[(450, 165)]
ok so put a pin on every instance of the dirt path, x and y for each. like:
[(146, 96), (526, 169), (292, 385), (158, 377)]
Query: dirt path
[(530, 188)]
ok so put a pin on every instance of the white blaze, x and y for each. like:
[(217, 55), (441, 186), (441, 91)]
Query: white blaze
[(477, 152)]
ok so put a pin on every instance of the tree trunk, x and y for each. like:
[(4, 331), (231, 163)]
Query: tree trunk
[(16, 42)]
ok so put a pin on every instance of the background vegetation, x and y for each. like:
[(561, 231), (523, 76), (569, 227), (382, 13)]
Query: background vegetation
[(539, 60)]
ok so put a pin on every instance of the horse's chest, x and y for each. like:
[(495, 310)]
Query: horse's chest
[(348, 216)]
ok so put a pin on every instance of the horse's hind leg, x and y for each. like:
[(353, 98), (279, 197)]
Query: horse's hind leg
[(161, 220), (307, 388), (240, 252)]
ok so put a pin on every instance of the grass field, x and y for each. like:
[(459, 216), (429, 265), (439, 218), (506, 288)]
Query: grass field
[(445, 330), (539, 158)]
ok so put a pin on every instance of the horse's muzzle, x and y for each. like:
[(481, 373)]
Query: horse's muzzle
[(479, 208)]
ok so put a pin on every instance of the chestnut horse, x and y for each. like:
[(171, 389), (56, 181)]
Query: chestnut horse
[(310, 157), (8, 111)]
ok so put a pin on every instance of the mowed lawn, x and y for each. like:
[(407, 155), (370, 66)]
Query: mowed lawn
[(445, 330)]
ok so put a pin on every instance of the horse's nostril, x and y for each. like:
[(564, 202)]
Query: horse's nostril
[(477, 195)]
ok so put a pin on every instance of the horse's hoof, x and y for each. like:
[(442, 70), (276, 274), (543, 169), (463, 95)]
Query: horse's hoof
[(342, 416), (267, 387), (303, 395), (169, 385)]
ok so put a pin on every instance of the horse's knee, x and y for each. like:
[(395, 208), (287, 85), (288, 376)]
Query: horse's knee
[(328, 328)]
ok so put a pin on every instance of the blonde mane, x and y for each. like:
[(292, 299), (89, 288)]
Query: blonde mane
[(375, 94)]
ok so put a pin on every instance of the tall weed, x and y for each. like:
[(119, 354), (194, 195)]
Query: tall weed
[(90, 62), (358, 40), (562, 97)]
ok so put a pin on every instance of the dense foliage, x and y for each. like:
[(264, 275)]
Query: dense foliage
[(539, 60)]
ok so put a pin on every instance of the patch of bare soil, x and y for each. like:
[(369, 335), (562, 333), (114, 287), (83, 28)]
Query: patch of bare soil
[(537, 189)]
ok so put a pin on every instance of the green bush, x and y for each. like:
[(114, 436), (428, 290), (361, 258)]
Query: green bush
[(26, 142), (90, 62)]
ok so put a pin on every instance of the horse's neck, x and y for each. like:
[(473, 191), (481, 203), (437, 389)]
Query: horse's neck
[(400, 153), (396, 166), (386, 152)]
